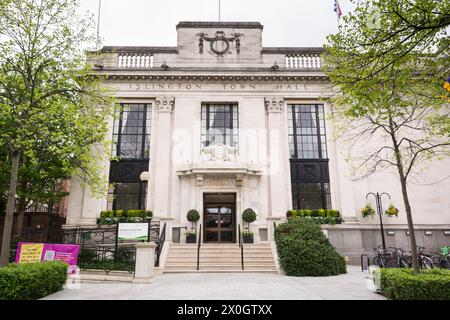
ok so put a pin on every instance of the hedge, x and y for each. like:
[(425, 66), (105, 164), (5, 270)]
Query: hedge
[(303, 250), (403, 284), (320, 216), (115, 216), (29, 281)]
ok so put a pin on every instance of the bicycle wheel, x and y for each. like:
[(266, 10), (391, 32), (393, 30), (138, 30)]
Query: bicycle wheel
[(378, 262), (445, 264), (403, 263), (426, 263)]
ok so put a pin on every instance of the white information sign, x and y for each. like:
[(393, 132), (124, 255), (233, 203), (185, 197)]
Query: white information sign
[(133, 231)]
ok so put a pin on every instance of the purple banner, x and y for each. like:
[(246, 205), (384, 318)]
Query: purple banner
[(28, 252)]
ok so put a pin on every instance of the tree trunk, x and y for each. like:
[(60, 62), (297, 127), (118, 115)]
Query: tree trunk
[(20, 216), (7, 228), (401, 173), (412, 236)]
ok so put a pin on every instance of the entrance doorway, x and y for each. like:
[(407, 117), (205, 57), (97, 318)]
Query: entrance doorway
[(219, 217)]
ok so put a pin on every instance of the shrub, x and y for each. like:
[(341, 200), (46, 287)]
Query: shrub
[(304, 250), (249, 215), (403, 284), (193, 215), (31, 280), (115, 216), (320, 216)]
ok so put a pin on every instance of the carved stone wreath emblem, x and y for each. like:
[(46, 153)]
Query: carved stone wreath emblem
[(220, 44)]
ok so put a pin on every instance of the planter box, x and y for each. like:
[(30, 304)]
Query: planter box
[(247, 239), (191, 238)]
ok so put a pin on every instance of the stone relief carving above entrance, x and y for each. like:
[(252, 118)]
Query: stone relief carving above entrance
[(220, 44), (219, 152)]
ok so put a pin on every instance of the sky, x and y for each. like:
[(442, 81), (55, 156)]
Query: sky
[(287, 23)]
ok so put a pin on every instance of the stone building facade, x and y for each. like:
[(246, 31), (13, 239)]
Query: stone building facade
[(220, 123)]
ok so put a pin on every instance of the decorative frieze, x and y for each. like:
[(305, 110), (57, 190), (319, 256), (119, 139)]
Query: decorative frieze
[(274, 104), (165, 104), (219, 44)]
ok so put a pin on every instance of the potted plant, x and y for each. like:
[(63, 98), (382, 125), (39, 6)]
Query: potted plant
[(247, 236), (192, 216), (391, 211), (249, 215), (191, 236), (368, 210)]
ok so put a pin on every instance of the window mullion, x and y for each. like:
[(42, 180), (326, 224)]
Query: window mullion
[(294, 128), (319, 140)]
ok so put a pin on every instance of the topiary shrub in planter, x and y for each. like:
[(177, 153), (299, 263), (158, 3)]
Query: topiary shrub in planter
[(29, 281), (304, 250), (191, 236), (247, 236), (249, 216), (192, 216)]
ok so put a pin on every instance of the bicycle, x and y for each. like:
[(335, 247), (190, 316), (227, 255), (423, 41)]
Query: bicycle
[(383, 259), (442, 260), (425, 261), (403, 259)]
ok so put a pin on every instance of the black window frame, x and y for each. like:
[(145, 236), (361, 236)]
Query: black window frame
[(205, 135), (145, 134), (127, 169), (141, 195), (308, 170)]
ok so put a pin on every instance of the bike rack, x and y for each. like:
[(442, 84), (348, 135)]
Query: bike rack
[(362, 262)]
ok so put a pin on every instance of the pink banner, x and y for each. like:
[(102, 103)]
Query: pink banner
[(33, 252)]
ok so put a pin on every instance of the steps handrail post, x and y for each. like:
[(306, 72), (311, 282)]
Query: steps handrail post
[(198, 247), (241, 245)]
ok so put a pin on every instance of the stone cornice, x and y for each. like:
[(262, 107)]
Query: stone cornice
[(292, 50), (138, 49), (217, 24), (207, 78)]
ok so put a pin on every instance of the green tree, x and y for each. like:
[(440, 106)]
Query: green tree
[(388, 63), (50, 101)]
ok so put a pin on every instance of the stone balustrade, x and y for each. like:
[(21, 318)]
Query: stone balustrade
[(303, 61), (135, 60)]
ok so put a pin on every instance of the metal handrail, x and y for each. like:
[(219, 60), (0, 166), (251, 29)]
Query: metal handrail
[(198, 247), (160, 244), (241, 245)]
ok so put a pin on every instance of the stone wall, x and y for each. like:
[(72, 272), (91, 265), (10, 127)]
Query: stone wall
[(352, 241)]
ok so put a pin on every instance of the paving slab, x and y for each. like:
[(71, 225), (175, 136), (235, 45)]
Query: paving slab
[(229, 286)]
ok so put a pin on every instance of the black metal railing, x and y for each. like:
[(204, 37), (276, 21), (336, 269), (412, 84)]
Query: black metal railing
[(89, 237), (160, 245), (241, 246), (108, 258), (199, 239), (274, 228)]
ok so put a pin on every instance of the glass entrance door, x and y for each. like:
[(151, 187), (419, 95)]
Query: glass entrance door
[(219, 222)]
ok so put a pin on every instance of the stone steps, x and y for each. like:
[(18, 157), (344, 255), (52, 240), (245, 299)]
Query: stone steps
[(220, 258)]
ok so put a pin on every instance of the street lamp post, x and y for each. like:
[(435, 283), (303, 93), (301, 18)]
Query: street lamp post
[(380, 212)]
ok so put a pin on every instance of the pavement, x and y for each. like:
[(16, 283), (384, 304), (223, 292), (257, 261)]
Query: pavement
[(229, 286)]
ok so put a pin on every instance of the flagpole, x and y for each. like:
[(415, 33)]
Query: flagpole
[(98, 24), (219, 10)]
